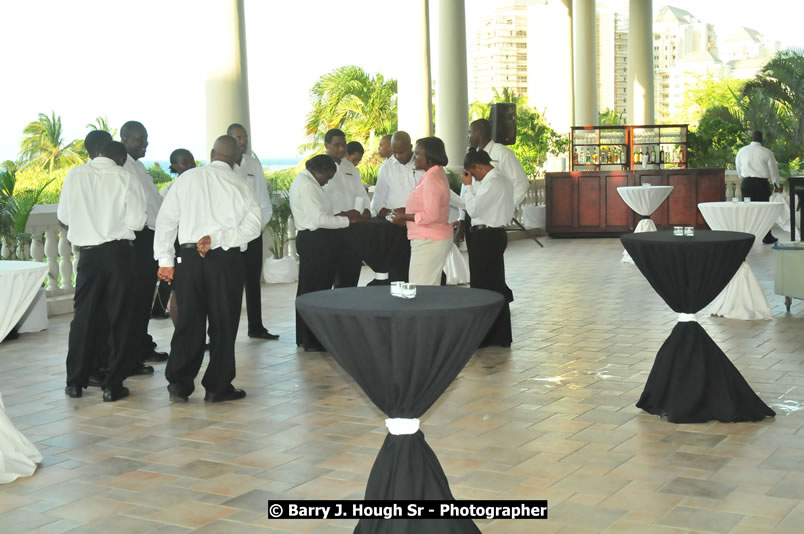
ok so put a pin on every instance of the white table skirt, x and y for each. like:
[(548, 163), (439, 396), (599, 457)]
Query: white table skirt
[(19, 283), (644, 200), (742, 298), (18, 456)]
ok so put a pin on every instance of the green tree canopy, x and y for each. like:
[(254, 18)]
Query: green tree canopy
[(43, 145)]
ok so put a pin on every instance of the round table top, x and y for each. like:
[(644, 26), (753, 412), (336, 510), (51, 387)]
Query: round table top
[(644, 199), (378, 300), (751, 217), (701, 237), (8, 266), (743, 205)]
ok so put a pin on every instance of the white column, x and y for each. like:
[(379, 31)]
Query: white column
[(227, 75), (584, 62), (640, 62), (452, 93), (414, 90)]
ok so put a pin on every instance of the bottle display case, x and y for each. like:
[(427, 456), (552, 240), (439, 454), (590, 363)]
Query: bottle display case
[(610, 148)]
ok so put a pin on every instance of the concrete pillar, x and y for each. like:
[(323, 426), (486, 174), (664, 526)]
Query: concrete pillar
[(640, 62), (414, 86), (584, 62), (227, 74), (452, 93)]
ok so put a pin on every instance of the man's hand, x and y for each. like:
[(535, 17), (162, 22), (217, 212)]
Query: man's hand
[(203, 246), (367, 214), (384, 212), (466, 178), (400, 218), (777, 189), (166, 274)]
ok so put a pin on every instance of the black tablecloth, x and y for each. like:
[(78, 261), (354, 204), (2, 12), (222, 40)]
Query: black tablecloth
[(692, 380), (404, 354), (382, 246)]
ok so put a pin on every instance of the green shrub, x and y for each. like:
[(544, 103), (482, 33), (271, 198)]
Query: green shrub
[(159, 175), (280, 180)]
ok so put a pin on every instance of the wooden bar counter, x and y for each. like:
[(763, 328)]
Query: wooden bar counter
[(586, 204)]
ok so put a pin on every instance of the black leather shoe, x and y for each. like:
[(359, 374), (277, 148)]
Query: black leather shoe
[(265, 334), (115, 394), (156, 357), (177, 393), (160, 315), (74, 392), (228, 395), (141, 369), (772, 240), (96, 381)]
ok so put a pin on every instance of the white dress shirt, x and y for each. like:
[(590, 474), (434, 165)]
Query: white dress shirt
[(395, 182), (100, 202), (345, 188), (152, 197), (310, 206), (506, 161), (490, 201), (756, 161), (210, 200), (251, 170)]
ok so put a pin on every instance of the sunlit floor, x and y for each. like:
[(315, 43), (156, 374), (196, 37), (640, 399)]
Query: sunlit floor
[(553, 418)]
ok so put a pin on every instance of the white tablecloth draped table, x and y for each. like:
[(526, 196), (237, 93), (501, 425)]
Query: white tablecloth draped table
[(644, 200), (18, 456), (19, 283), (742, 298)]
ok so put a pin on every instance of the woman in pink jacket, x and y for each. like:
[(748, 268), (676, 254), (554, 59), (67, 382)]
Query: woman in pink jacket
[(426, 214)]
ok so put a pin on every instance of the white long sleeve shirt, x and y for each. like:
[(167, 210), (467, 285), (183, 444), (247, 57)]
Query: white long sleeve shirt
[(395, 182), (756, 161), (310, 206), (251, 170), (100, 202), (210, 200), (504, 159), (490, 201), (345, 188), (152, 197)]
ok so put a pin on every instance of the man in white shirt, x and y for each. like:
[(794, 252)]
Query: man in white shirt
[(396, 178), (345, 192), (315, 240), (250, 169), (102, 207), (214, 213), (756, 164), (489, 198), (135, 138)]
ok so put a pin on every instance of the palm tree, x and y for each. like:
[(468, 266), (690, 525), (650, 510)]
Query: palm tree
[(102, 123), (44, 147), (361, 105)]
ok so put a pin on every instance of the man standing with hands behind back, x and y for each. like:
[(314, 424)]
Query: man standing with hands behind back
[(214, 213), (756, 164), (250, 169)]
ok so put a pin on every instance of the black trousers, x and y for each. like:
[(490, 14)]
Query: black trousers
[(144, 282), (103, 301), (316, 250), (252, 271), (759, 190), (487, 271), (347, 261), (209, 289)]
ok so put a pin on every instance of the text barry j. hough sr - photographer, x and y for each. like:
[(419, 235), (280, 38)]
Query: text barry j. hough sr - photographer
[(286, 509)]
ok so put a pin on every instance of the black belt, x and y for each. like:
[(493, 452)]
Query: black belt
[(754, 178), (189, 245), (107, 244), (485, 227)]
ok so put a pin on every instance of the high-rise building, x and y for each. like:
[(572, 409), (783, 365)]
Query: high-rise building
[(605, 23), (746, 51), (501, 52), (620, 63)]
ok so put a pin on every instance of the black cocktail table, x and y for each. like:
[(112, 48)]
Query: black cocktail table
[(382, 246), (692, 380), (403, 354)]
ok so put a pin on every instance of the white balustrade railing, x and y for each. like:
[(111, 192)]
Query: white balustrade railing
[(733, 186)]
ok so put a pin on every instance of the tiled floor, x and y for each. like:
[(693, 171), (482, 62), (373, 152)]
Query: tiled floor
[(553, 418)]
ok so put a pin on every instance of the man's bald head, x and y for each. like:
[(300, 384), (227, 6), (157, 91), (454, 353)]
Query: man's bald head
[(401, 147), (479, 133), (384, 149), (225, 150), (135, 137)]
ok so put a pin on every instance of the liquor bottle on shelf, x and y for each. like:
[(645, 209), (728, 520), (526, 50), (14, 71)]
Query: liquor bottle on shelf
[(661, 154), (594, 156), (575, 156), (653, 154), (636, 156), (588, 157), (680, 154)]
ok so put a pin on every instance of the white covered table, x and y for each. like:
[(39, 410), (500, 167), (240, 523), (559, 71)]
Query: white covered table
[(19, 283), (742, 298), (644, 200)]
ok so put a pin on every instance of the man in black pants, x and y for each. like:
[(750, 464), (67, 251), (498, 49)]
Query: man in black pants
[(755, 165), (135, 138), (250, 170), (102, 207), (214, 214)]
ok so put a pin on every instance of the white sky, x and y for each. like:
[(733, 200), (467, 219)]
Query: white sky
[(144, 60)]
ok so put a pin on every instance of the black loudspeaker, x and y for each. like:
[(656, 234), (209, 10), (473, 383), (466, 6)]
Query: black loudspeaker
[(503, 123)]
